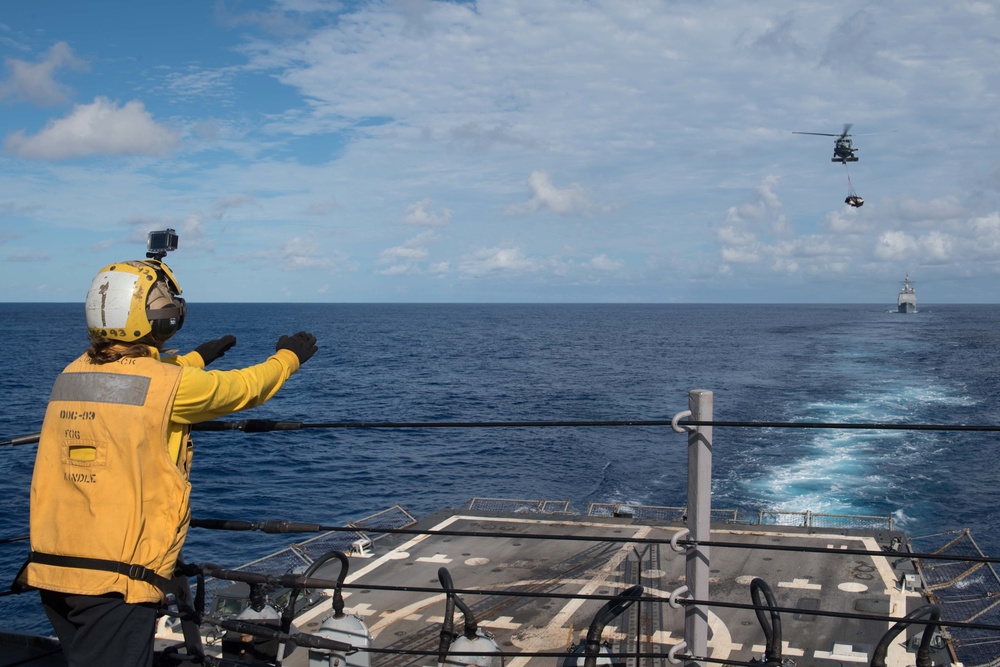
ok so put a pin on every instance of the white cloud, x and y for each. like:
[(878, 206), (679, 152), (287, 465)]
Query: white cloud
[(402, 253), (100, 128), (192, 82), (937, 247), (298, 253), (405, 259), (35, 82), (985, 237), (896, 245), (485, 261), (746, 227), (845, 220), (440, 115), (512, 261), (419, 214), (573, 200), (937, 209), (284, 21), (603, 263)]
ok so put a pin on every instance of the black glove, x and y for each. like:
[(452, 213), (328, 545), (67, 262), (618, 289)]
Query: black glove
[(302, 344), (214, 349)]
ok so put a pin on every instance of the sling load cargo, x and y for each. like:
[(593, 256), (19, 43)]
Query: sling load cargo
[(852, 197)]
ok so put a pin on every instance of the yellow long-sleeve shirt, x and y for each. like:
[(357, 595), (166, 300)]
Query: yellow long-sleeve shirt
[(205, 395)]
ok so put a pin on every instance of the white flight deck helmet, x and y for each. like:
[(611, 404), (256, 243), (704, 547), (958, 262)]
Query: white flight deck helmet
[(134, 300)]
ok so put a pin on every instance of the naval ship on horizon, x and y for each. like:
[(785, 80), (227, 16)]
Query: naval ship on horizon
[(907, 302)]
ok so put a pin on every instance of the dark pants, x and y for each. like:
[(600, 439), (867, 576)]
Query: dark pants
[(101, 630)]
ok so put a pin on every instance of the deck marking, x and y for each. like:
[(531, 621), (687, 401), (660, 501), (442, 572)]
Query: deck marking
[(799, 583), (561, 619), (388, 618), (729, 647), (843, 652), (436, 558), (897, 601), (504, 623), (360, 609), (722, 640), (852, 587), (399, 553), (553, 634), (786, 649), (402, 551)]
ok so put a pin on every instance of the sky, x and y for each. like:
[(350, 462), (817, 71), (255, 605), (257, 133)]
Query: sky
[(556, 151)]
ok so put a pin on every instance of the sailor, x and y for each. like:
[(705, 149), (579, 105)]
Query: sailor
[(110, 490)]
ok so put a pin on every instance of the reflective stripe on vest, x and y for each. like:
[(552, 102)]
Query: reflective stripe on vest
[(101, 388)]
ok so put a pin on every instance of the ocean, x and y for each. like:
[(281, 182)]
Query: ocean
[(496, 362)]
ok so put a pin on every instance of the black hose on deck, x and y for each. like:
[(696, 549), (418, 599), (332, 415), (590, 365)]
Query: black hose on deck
[(772, 629)]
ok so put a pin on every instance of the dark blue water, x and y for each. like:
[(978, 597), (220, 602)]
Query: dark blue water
[(377, 363)]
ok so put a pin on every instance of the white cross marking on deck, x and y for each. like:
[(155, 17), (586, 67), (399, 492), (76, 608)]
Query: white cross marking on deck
[(436, 558), (785, 649), (504, 623), (664, 637), (844, 652), (361, 609), (799, 583)]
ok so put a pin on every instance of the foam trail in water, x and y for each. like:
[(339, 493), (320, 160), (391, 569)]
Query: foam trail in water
[(844, 471)]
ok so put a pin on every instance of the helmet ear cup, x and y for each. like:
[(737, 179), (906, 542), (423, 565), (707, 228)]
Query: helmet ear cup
[(165, 312)]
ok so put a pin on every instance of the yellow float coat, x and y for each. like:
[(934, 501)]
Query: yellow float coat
[(114, 456)]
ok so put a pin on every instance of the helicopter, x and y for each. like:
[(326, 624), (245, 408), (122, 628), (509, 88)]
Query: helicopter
[(843, 151)]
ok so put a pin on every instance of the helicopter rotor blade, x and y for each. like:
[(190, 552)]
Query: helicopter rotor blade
[(819, 134), (847, 128), (868, 134)]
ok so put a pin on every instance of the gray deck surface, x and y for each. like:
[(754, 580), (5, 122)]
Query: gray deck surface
[(516, 562), (512, 560)]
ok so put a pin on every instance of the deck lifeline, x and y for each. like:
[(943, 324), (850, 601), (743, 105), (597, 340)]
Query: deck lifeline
[(807, 581)]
